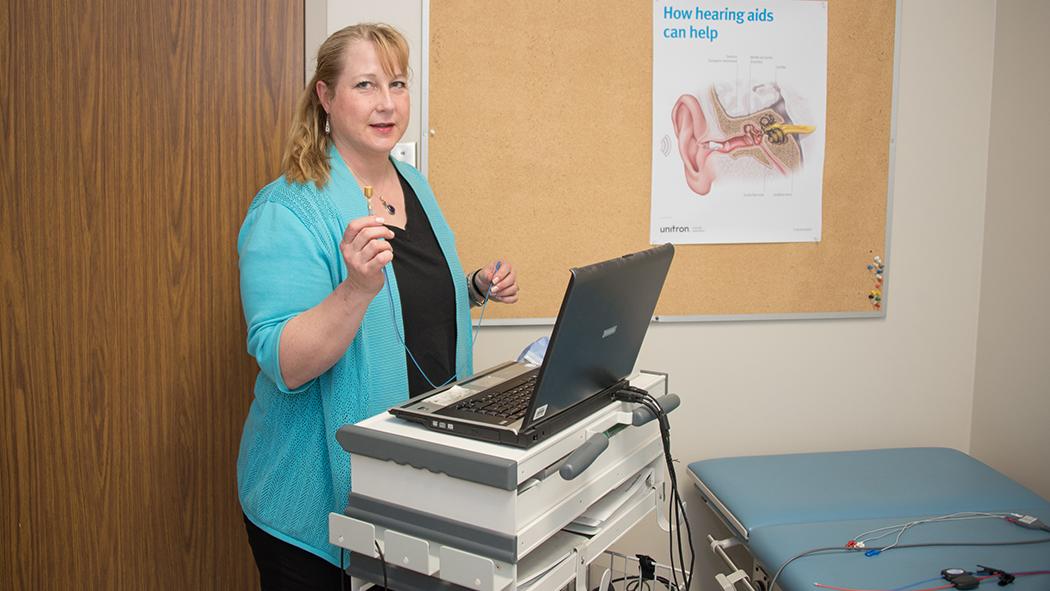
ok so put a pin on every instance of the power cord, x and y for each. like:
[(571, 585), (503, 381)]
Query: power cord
[(342, 566), (342, 569), (676, 509), (636, 583), (382, 562)]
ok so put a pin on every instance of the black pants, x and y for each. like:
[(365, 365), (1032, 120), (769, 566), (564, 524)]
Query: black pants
[(284, 567)]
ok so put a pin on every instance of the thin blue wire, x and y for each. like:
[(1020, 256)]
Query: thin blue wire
[(390, 298), (484, 303)]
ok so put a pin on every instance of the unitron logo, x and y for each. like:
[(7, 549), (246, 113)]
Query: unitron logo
[(609, 331), (673, 229)]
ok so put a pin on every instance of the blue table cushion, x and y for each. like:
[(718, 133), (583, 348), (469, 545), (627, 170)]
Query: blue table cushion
[(763, 491)]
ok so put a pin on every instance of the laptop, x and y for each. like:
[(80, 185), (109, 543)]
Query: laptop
[(600, 328)]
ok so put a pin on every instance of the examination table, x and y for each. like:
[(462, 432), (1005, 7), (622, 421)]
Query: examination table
[(782, 506)]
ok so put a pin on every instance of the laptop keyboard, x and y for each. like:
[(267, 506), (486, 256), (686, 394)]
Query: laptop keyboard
[(506, 404)]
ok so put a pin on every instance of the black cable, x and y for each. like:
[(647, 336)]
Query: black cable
[(382, 561), (635, 580), (342, 570), (674, 501), (676, 506), (666, 583), (639, 396), (680, 514)]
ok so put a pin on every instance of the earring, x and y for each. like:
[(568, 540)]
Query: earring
[(327, 125)]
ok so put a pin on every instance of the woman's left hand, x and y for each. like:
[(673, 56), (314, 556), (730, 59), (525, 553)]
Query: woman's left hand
[(503, 281)]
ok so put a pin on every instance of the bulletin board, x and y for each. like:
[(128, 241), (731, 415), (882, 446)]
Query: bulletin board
[(539, 149)]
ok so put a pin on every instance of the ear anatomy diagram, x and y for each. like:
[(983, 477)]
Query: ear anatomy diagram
[(768, 136)]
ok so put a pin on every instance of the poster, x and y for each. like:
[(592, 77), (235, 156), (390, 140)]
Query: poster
[(739, 121)]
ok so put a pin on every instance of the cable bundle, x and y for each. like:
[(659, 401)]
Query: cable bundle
[(859, 542), (676, 507)]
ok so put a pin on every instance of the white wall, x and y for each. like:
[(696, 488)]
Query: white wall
[(1011, 422)]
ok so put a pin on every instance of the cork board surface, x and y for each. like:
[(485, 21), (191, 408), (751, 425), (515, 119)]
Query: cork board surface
[(540, 154)]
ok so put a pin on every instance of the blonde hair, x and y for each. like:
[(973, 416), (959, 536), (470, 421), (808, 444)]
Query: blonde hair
[(306, 154)]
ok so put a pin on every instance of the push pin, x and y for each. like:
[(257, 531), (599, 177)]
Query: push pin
[(877, 271)]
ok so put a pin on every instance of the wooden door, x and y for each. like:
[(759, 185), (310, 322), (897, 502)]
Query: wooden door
[(134, 135)]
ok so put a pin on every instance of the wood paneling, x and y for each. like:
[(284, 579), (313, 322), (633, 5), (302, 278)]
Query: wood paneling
[(134, 135)]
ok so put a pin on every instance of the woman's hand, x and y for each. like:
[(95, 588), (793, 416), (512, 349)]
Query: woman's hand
[(503, 282), (365, 251)]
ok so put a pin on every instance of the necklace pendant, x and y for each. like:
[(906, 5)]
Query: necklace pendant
[(390, 208)]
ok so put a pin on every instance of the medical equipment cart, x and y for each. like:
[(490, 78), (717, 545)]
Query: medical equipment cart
[(429, 510)]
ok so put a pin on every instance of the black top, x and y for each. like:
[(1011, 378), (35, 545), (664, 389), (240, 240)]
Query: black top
[(428, 297)]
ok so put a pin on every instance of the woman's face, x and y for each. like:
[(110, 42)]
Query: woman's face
[(368, 108)]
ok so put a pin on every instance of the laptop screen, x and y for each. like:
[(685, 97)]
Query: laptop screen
[(600, 328)]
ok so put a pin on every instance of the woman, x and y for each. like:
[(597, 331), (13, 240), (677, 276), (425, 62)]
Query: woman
[(354, 299)]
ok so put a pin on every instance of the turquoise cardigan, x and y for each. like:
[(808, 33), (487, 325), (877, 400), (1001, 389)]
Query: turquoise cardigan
[(291, 472)]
